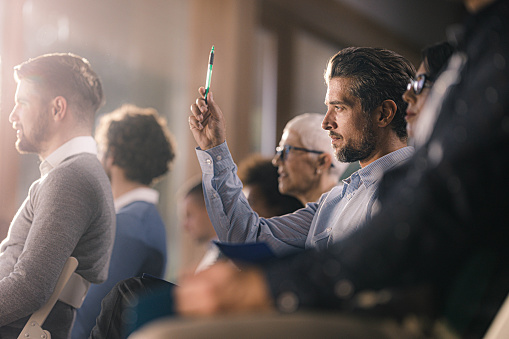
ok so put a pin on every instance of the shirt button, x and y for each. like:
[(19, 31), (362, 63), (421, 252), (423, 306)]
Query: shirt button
[(328, 229), (219, 157), (208, 161)]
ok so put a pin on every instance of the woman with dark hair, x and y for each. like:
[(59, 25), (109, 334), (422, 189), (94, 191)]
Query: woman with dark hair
[(434, 58)]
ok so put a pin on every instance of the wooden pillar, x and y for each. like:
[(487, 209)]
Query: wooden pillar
[(230, 26), (285, 75)]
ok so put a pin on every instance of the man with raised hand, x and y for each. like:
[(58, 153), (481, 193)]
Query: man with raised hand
[(365, 120)]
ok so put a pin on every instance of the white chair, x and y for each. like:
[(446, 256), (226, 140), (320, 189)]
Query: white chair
[(33, 328)]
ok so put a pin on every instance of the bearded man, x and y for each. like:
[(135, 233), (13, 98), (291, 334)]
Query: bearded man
[(365, 120)]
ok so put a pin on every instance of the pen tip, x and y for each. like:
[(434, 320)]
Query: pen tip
[(212, 47)]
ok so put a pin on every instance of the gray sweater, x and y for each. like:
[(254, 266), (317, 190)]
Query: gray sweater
[(68, 212)]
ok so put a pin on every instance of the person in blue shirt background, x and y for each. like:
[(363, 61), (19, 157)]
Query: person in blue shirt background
[(135, 148)]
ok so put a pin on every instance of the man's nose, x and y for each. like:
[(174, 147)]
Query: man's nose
[(328, 122), (13, 116)]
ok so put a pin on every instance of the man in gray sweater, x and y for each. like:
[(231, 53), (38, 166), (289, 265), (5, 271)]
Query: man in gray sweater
[(69, 210)]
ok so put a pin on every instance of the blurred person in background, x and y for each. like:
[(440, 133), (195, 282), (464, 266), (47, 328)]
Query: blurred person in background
[(434, 59), (260, 186), (195, 222), (136, 149)]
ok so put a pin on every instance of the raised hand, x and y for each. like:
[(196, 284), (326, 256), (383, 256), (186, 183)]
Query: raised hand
[(207, 121)]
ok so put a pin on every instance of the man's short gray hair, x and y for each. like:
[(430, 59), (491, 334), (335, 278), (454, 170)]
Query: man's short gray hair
[(308, 126)]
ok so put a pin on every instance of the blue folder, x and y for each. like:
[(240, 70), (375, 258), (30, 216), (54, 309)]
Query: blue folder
[(249, 253)]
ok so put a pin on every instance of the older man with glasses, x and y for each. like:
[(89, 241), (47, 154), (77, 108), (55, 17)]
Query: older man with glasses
[(306, 164), (365, 123)]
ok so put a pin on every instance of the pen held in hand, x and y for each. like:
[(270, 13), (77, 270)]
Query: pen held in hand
[(209, 73)]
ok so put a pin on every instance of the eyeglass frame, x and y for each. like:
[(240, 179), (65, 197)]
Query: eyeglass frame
[(418, 84), (282, 152)]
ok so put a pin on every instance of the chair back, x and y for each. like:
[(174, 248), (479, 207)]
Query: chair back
[(33, 327)]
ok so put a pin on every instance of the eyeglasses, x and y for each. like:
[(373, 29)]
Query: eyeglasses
[(282, 152), (419, 84)]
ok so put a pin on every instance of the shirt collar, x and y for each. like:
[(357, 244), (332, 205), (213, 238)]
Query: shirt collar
[(83, 144), (146, 194), (374, 171)]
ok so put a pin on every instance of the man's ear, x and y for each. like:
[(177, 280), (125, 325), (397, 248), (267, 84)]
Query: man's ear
[(58, 108), (385, 113)]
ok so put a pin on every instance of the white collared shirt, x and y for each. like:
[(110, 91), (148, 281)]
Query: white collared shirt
[(83, 144), (146, 194)]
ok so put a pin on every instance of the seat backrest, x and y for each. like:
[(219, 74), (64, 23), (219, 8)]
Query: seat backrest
[(75, 291), (33, 327), (499, 328)]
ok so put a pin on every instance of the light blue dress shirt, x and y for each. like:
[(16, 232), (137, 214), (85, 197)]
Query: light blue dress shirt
[(336, 214)]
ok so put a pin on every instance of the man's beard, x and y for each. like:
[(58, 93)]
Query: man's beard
[(25, 145), (361, 149)]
